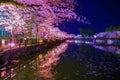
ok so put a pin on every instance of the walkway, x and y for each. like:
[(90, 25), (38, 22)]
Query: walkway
[(6, 48)]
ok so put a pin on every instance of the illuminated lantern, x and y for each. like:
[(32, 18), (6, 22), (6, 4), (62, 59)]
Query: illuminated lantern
[(3, 73)]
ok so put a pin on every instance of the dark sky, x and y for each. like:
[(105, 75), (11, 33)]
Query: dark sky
[(100, 13)]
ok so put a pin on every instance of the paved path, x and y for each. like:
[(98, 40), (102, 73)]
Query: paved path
[(2, 50)]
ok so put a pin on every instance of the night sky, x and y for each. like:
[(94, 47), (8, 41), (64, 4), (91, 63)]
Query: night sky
[(100, 13)]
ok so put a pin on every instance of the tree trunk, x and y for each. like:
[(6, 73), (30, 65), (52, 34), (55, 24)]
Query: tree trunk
[(37, 38), (12, 35)]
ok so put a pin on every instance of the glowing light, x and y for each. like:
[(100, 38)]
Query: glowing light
[(3, 73), (3, 41), (11, 44), (110, 41)]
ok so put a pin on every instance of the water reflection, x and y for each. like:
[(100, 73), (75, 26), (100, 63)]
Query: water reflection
[(50, 59), (113, 49), (85, 62), (72, 62)]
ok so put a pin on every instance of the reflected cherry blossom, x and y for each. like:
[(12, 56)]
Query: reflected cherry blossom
[(113, 49), (50, 59)]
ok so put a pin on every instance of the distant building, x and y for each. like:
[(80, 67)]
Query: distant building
[(4, 33)]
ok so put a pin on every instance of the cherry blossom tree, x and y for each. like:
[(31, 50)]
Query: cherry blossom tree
[(13, 18), (49, 13), (52, 11), (44, 16)]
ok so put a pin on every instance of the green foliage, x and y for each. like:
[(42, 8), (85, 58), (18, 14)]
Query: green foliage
[(119, 38), (26, 74), (86, 31), (6, 0), (113, 28), (31, 41), (3, 37)]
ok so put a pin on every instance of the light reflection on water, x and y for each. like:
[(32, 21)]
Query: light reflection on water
[(72, 61), (50, 59), (80, 62), (113, 49)]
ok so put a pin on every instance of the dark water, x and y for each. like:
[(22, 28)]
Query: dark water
[(70, 61), (81, 62)]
